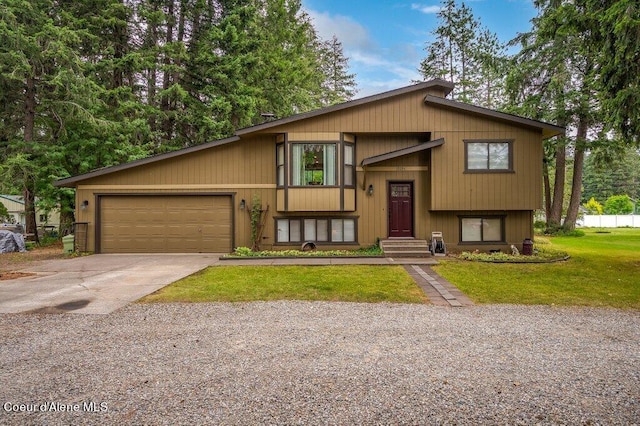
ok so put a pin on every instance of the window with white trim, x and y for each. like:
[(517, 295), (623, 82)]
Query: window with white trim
[(321, 230), (481, 229)]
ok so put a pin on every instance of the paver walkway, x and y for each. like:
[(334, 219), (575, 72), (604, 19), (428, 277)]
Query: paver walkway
[(439, 291)]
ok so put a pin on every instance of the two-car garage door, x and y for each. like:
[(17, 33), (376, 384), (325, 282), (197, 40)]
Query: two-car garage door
[(165, 224)]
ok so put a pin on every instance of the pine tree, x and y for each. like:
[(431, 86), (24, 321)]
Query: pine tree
[(466, 54), (339, 85)]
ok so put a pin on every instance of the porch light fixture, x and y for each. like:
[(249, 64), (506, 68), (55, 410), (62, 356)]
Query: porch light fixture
[(370, 190), (84, 204), (243, 204)]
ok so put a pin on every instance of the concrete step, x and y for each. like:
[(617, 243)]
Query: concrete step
[(405, 248), (407, 253)]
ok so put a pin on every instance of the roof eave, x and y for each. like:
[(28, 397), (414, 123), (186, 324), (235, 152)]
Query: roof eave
[(548, 130), (401, 152)]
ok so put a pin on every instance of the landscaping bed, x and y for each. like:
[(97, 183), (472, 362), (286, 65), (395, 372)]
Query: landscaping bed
[(246, 252)]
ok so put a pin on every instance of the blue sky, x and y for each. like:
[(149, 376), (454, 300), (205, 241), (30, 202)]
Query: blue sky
[(384, 40)]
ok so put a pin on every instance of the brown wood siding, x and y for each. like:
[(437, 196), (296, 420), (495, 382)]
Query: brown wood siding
[(314, 199), (452, 189), (247, 167), (518, 226), (243, 162), (242, 231)]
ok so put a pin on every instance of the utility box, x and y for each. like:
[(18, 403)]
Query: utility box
[(527, 247), (68, 243)]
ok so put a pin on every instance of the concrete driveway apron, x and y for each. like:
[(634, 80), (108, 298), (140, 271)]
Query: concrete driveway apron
[(97, 284)]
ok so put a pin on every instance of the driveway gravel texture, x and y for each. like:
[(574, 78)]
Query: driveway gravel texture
[(322, 363)]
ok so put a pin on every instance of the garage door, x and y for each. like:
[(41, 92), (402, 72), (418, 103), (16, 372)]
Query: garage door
[(165, 224)]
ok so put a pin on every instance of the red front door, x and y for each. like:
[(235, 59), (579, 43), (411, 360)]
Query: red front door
[(400, 209)]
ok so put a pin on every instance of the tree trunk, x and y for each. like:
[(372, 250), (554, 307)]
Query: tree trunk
[(31, 226), (165, 102), (555, 215), (576, 184), (547, 188)]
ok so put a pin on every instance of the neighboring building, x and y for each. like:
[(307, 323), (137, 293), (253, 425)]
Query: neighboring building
[(401, 164), (15, 207)]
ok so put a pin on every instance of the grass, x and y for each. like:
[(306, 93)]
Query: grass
[(603, 271), (348, 283)]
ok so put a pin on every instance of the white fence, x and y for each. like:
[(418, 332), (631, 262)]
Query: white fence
[(610, 221)]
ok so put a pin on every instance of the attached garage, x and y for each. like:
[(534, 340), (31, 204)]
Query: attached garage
[(164, 223)]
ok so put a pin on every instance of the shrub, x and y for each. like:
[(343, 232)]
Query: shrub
[(541, 254), (593, 207), (364, 251), (539, 224), (4, 214), (618, 204)]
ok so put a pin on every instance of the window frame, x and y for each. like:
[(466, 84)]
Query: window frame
[(508, 142), (348, 169), (502, 219), (281, 166), (330, 220), (336, 166)]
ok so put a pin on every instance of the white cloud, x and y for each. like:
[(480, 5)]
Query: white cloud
[(377, 69), (351, 34), (425, 8)]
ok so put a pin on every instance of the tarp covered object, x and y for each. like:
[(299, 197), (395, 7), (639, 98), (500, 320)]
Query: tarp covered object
[(10, 242)]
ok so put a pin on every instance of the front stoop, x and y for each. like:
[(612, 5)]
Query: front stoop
[(405, 248)]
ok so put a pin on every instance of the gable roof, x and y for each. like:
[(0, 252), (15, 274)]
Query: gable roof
[(15, 198), (446, 87)]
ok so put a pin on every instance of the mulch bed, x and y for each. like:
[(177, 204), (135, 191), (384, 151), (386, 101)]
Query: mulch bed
[(13, 275)]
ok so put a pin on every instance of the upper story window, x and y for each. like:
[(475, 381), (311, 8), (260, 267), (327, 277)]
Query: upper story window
[(313, 164), (349, 169), (488, 156), (280, 163)]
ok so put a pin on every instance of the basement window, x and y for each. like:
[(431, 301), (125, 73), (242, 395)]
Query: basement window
[(319, 230), (482, 229)]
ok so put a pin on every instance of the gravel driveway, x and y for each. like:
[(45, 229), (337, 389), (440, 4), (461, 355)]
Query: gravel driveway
[(317, 363)]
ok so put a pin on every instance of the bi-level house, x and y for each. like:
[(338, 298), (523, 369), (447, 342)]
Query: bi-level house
[(401, 164)]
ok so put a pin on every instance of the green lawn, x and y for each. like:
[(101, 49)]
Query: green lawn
[(604, 270), (349, 283)]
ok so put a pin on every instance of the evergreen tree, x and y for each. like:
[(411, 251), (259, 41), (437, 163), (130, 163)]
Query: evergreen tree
[(84, 85), (616, 41), (339, 85), (605, 177), (556, 69), (466, 54)]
